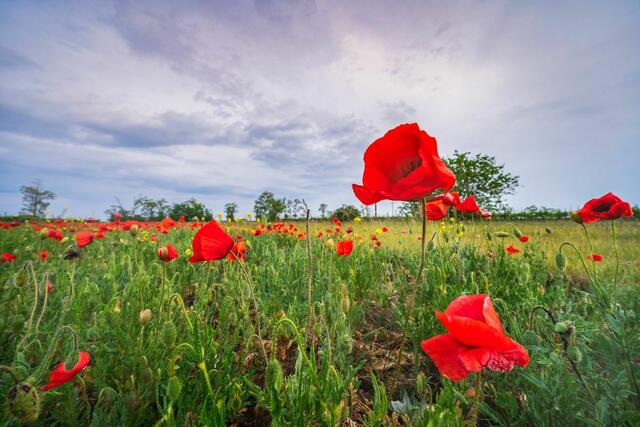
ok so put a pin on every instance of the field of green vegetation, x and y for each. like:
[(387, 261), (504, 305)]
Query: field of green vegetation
[(341, 334)]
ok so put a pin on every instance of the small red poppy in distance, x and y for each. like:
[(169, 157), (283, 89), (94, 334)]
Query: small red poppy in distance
[(167, 253), (605, 207), (512, 250), (474, 340), (44, 255), (210, 243), (83, 238), (7, 257), (596, 257), (524, 239), (344, 247), (403, 165), (60, 375), (238, 251)]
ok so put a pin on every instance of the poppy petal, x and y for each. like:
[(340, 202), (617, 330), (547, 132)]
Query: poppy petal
[(445, 352)]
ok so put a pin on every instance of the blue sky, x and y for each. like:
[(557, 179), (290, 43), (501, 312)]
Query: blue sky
[(221, 100)]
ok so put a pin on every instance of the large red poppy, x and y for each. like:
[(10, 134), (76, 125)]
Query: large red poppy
[(403, 165), (210, 243), (60, 375), (475, 340), (605, 207)]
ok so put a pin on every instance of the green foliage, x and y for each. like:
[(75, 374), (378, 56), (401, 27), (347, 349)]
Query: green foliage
[(230, 210), (267, 207), (481, 176), (346, 213), (409, 209), (35, 199), (191, 209)]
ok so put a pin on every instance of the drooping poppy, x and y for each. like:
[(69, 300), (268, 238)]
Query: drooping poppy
[(210, 243), (344, 247), (60, 375), (474, 340), (167, 253), (84, 238), (403, 165), (607, 207)]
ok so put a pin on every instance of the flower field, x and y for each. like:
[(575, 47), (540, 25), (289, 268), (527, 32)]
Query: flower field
[(447, 319)]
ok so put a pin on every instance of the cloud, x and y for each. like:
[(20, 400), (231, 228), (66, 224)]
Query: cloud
[(223, 100)]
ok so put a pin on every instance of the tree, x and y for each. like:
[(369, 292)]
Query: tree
[(231, 209), (323, 210), (190, 209), (34, 199), (150, 209), (409, 209), (267, 207), (480, 175), (346, 213)]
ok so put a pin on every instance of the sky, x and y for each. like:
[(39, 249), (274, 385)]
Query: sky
[(221, 100)]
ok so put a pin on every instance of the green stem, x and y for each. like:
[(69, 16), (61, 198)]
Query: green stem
[(615, 248), (584, 264), (476, 400), (593, 263), (164, 273), (412, 298), (56, 340)]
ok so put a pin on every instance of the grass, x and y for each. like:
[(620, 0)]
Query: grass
[(199, 360)]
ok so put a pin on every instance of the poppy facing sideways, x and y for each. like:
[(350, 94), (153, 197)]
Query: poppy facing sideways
[(474, 340)]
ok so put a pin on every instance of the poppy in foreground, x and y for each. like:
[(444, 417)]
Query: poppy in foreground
[(605, 207), (167, 253), (83, 238), (210, 243), (474, 340), (60, 375), (344, 247), (403, 165)]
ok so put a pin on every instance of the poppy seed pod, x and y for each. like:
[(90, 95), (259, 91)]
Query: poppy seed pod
[(565, 328), (574, 354), (169, 334), (24, 402), (145, 316)]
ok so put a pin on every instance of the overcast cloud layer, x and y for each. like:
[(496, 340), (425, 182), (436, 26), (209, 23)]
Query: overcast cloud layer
[(221, 100)]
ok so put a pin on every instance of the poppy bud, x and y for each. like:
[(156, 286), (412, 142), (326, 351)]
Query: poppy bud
[(134, 230), (502, 234), (430, 245), (489, 236), (561, 261), (24, 402), (420, 383), (531, 338), (174, 387), (169, 334), (575, 216), (564, 328), (145, 316), (275, 374), (163, 253), (517, 232), (346, 304), (236, 402), (330, 243), (548, 230), (574, 354)]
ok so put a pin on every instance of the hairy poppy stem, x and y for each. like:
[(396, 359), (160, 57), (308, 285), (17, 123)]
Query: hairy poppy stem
[(56, 340), (476, 401), (584, 264), (593, 262), (412, 297), (615, 248), (310, 316), (164, 273)]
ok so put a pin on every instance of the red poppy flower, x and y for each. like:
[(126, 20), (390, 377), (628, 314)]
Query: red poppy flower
[(512, 250), (344, 247), (605, 207), (469, 205), (349, 230), (167, 253), (596, 257), (49, 287), (60, 375), (385, 229), (257, 231), (436, 210), (210, 243), (449, 199), (44, 255), (117, 216), (403, 165), (474, 340), (83, 238), (336, 221), (7, 257), (238, 251), (524, 239), (485, 214)]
